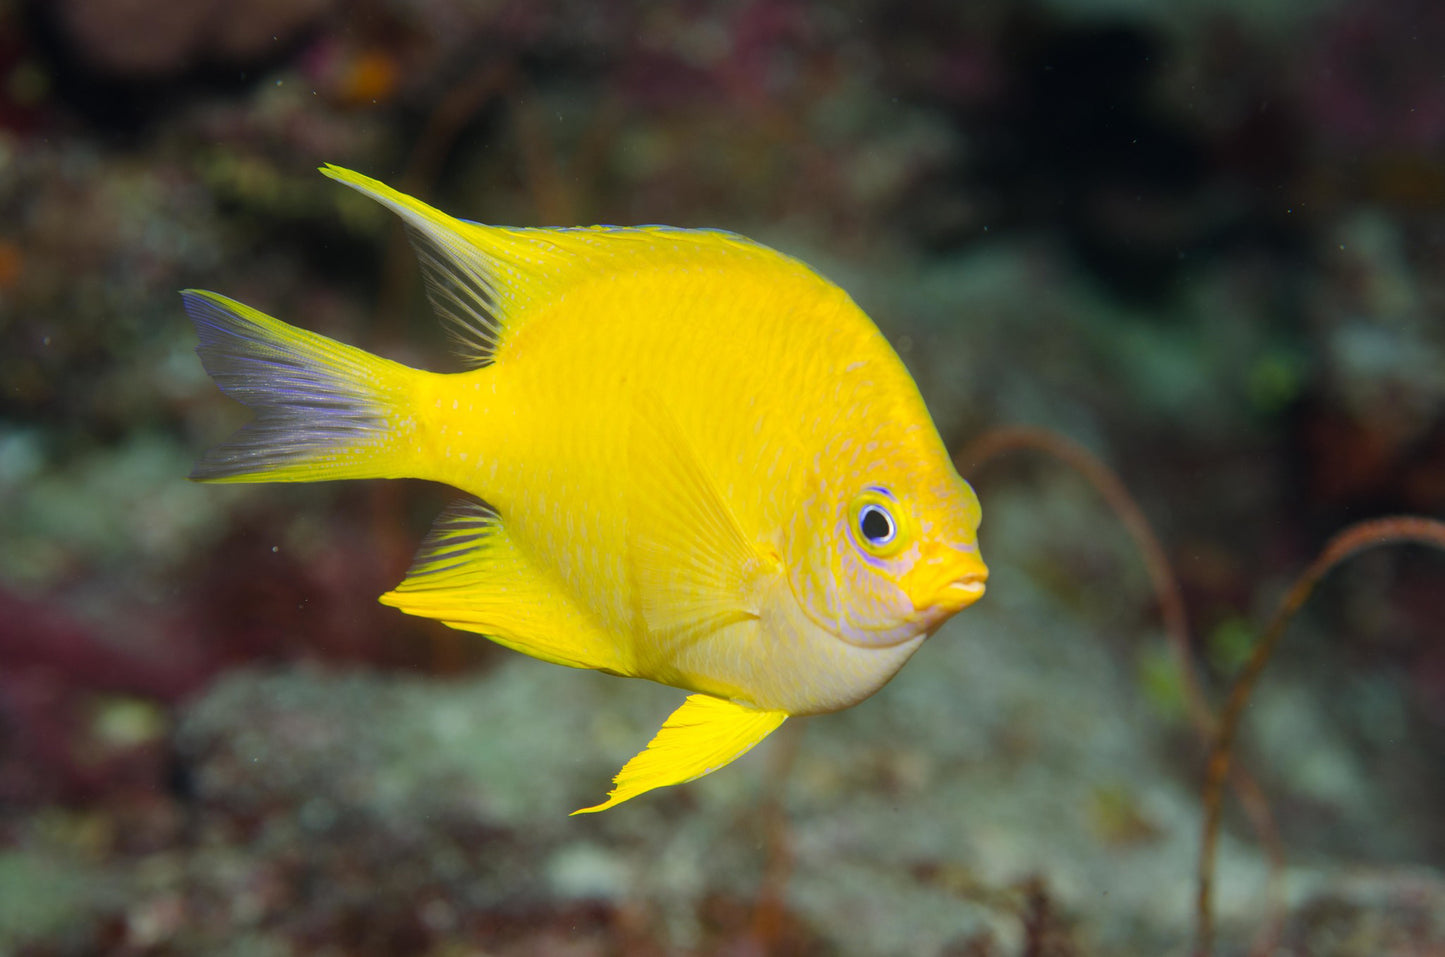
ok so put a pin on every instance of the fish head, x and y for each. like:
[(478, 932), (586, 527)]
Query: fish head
[(894, 548)]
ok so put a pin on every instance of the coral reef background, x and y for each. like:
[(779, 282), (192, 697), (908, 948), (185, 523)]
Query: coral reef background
[(1205, 240)]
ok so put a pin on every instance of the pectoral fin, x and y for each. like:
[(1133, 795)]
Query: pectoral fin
[(696, 570), (698, 738)]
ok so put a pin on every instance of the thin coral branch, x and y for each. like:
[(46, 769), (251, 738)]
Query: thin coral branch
[(1161, 574), (1355, 539), (1170, 597), (462, 103), (558, 185), (765, 929), (490, 80)]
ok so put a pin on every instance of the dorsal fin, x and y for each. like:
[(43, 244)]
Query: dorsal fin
[(482, 280), (469, 288)]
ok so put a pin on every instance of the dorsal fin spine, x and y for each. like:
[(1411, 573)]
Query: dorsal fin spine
[(460, 269)]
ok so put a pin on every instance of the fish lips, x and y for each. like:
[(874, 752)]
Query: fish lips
[(946, 582)]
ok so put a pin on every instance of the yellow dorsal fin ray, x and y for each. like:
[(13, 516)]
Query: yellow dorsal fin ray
[(706, 733), (483, 280), (476, 276)]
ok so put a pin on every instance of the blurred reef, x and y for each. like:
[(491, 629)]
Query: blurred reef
[(1204, 240)]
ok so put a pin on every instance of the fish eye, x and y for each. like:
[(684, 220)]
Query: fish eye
[(879, 526), (876, 524)]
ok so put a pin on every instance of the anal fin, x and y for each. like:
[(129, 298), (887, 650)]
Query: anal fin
[(703, 735), (469, 574)]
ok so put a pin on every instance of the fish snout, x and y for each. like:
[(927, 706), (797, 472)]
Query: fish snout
[(947, 582)]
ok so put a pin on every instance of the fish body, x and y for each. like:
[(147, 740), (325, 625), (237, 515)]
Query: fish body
[(692, 459)]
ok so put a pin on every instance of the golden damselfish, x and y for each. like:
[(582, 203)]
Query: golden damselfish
[(693, 459)]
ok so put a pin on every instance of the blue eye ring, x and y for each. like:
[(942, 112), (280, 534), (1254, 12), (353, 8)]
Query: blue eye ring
[(877, 523)]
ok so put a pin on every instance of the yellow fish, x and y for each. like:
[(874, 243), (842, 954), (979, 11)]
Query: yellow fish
[(694, 460)]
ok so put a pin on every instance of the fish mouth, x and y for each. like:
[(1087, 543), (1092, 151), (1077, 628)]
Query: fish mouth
[(958, 595), (947, 586)]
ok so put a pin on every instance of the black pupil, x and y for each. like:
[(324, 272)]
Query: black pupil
[(876, 524)]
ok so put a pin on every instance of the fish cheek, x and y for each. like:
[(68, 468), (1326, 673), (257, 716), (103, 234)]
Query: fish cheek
[(844, 593), (874, 607)]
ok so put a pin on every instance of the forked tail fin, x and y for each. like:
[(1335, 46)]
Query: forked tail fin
[(324, 410)]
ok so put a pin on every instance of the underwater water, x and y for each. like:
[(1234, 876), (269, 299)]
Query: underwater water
[(1203, 242)]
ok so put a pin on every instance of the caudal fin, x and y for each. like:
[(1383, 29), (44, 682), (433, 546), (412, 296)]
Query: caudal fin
[(324, 410)]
